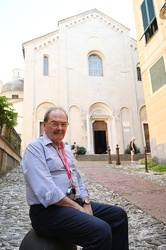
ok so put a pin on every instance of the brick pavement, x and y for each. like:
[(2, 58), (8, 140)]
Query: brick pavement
[(147, 195)]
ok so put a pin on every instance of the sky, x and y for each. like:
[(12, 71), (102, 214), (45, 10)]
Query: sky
[(24, 20)]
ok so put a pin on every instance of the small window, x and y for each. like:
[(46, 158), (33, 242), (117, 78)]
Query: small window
[(95, 65), (15, 96), (45, 65), (41, 130), (149, 19), (139, 78), (158, 75)]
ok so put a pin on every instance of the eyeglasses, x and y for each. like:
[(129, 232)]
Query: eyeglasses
[(56, 124)]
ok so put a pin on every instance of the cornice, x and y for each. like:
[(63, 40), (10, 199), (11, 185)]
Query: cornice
[(94, 14)]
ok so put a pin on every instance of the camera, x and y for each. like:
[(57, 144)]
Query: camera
[(71, 190)]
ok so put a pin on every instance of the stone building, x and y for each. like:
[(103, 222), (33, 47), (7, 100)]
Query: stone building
[(14, 90), (90, 66), (150, 19)]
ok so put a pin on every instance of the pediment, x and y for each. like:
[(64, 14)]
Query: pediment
[(87, 16), (99, 112)]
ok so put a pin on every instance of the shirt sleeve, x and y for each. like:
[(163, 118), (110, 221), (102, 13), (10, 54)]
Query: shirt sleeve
[(38, 178)]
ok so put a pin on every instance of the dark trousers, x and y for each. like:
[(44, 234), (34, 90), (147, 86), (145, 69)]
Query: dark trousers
[(106, 230)]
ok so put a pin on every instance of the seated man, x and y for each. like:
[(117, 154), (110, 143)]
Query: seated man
[(58, 198)]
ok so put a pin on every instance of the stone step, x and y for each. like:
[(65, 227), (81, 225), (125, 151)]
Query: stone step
[(104, 157)]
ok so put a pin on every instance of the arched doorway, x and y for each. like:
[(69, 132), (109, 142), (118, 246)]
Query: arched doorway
[(100, 137)]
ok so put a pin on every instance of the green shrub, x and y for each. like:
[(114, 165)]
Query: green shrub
[(81, 150), (128, 151)]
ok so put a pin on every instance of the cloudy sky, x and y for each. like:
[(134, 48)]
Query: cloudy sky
[(23, 20)]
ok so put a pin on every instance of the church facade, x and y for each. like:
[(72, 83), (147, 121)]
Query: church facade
[(90, 67)]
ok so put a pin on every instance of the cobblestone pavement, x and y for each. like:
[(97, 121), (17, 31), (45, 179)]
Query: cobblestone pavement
[(145, 232)]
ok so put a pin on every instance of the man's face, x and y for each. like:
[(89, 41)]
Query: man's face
[(56, 126)]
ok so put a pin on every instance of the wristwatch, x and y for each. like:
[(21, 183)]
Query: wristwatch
[(86, 201)]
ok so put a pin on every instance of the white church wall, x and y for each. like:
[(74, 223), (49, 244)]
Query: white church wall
[(69, 84)]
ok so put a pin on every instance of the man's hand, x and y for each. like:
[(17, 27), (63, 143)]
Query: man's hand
[(67, 202), (88, 209)]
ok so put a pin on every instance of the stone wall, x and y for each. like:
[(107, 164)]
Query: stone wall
[(9, 158)]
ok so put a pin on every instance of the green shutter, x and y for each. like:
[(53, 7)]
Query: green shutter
[(144, 15), (148, 13), (158, 75), (151, 10)]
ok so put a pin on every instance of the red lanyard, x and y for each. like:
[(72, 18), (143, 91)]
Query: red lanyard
[(65, 162)]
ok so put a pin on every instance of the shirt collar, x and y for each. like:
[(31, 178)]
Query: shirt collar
[(47, 140)]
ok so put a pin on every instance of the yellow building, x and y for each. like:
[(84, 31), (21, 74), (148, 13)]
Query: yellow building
[(150, 20)]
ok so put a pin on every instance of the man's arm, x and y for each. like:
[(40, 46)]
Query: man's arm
[(67, 202)]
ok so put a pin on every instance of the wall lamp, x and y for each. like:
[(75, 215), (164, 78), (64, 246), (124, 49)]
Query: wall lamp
[(162, 13)]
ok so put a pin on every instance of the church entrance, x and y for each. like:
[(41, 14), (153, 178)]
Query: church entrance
[(100, 137)]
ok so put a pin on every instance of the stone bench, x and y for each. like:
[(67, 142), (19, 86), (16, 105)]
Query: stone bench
[(35, 241)]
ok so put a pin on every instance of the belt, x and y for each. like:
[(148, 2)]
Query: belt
[(36, 205), (78, 200)]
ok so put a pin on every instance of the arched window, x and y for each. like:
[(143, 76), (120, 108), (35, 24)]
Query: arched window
[(95, 65), (45, 65), (139, 78)]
